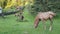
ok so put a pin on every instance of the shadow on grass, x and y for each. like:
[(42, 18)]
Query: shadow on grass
[(22, 20)]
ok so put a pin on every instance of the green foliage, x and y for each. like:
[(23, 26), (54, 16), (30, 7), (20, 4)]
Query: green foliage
[(9, 9), (3, 3), (46, 5)]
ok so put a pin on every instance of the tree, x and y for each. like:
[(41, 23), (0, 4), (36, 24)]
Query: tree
[(45, 5)]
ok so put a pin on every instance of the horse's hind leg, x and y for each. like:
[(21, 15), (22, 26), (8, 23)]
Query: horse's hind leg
[(51, 22), (44, 24)]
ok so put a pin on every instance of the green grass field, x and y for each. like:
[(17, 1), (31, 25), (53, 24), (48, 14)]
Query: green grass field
[(9, 25)]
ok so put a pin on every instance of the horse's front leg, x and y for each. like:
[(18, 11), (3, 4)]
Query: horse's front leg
[(51, 22), (44, 24), (36, 23)]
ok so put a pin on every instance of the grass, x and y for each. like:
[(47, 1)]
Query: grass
[(9, 25)]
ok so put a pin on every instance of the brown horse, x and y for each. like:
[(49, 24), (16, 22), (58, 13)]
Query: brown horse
[(43, 16), (20, 13)]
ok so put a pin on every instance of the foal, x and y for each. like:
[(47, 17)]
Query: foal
[(43, 16), (20, 13)]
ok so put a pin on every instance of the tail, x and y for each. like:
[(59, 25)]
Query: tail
[(36, 22)]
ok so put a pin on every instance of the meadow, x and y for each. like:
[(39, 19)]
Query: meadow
[(9, 25)]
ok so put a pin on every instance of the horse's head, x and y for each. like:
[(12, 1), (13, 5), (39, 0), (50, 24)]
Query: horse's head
[(52, 13)]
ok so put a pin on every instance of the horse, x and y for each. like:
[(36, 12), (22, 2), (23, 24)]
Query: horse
[(43, 16), (20, 13), (20, 17)]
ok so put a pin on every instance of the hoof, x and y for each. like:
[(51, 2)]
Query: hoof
[(50, 29)]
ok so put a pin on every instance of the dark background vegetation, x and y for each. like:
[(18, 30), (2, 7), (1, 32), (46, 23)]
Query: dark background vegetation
[(46, 5)]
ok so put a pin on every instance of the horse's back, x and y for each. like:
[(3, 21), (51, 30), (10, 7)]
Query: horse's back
[(44, 15)]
